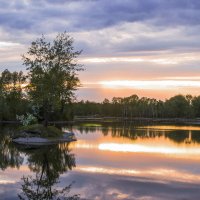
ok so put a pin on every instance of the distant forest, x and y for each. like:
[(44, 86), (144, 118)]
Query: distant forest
[(14, 101), (178, 106)]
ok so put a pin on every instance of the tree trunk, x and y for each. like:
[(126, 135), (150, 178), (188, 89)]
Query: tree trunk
[(46, 115)]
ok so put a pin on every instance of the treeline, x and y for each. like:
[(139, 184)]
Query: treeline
[(178, 106), (15, 99)]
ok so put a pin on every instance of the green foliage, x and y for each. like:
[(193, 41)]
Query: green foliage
[(179, 106), (52, 131), (27, 119), (48, 89), (196, 106), (52, 74), (12, 98), (40, 130)]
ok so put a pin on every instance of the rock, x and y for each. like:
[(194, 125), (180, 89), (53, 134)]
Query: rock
[(31, 140), (39, 141), (68, 134)]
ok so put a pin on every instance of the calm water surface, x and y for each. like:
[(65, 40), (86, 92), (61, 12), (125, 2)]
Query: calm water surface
[(107, 162)]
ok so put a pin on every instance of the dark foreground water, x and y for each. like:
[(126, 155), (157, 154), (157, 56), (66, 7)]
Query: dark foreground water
[(107, 162)]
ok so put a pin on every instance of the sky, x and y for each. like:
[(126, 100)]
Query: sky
[(145, 47)]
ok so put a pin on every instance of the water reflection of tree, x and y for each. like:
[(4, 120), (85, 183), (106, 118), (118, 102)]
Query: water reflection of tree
[(9, 154), (132, 131), (47, 163), (178, 136), (88, 129)]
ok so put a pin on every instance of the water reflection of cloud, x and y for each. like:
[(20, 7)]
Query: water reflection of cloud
[(13, 175), (114, 187), (5, 181), (9, 191), (159, 174)]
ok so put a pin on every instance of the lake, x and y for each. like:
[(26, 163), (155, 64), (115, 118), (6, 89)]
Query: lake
[(108, 161)]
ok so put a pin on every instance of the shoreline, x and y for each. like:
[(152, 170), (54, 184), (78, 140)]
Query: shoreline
[(139, 120), (118, 120)]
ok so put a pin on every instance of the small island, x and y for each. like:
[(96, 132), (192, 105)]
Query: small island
[(37, 135)]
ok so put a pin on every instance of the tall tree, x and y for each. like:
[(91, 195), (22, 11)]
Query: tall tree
[(53, 76)]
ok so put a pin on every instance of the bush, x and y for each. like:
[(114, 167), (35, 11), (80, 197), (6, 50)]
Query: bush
[(42, 131), (27, 120)]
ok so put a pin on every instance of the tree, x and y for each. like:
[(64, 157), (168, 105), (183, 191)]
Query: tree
[(52, 74), (12, 99), (177, 106)]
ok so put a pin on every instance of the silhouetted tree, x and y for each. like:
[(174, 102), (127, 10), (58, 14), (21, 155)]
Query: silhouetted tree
[(52, 74), (12, 97), (177, 106)]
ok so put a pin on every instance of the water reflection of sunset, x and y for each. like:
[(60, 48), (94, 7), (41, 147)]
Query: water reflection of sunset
[(153, 153), (127, 156), (155, 140), (173, 127), (148, 149), (182, 151)]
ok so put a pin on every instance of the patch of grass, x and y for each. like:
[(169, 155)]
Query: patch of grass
[(53, 131), (91, 125), (42, 131)]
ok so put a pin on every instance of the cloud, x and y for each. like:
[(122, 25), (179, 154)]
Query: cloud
[(121, 26), (138, 39), (95, 14), (159, 37), (91, 186)]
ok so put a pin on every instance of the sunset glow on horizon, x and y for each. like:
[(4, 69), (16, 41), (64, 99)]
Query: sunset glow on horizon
[(155, 84), (159, 89)]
